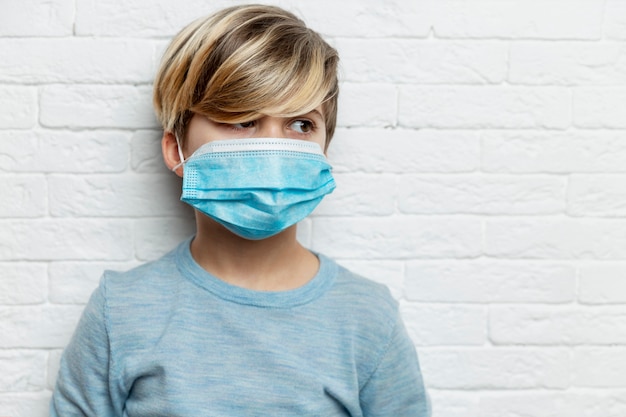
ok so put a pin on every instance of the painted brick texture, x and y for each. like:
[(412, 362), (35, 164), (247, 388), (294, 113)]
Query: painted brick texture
[(480, 158)]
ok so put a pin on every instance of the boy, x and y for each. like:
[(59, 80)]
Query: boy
[(241, 320)]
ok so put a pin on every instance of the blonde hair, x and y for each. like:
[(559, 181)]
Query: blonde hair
[(242, 63)]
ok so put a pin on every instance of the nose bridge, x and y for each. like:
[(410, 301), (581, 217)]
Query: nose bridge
[(272, 127)]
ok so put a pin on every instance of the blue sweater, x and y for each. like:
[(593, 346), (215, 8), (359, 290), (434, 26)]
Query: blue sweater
[(169, 339)]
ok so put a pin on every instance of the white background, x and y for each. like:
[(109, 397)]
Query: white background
[(481, 168)]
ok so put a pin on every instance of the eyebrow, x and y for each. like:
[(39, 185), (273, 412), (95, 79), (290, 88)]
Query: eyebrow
[(320, 115)]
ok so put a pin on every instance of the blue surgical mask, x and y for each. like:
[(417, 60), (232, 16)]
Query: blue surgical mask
[(256, 188)]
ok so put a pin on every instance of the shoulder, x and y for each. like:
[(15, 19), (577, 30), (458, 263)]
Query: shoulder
[(144, 291), (150, 278), (138, 302), (364, 295), (366, 314), (368, 306)]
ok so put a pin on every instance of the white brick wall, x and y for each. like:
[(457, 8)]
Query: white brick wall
[(481, 164)]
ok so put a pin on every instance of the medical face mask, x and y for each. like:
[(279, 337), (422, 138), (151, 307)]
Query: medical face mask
[(256, 188)]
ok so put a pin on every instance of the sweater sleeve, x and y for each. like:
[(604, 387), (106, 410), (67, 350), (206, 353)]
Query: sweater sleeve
[(83, 382), (396, 387)]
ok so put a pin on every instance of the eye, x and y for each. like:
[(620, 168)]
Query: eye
[(302, 126), (243, 125)]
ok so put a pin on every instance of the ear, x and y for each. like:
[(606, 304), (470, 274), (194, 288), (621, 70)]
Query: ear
[(169, 147)]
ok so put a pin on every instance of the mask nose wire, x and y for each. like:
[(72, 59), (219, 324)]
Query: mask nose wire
[(180, 154)]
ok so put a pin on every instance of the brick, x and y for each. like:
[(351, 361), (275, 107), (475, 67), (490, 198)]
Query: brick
[(481, 194), (404, 151), (567, 63), (156, 237), (115, 195), (48, 151), (18, 107), (450, 403), (22, 370), (554, 152), (65, 239), (556, 239), (512, 19), (600, 107), (571, 403), (23, 283), (37, 18), (444, 325), (423, 62), (360, 194), (38, 327), (146, 155), (348, 18), (71, 60), (397, 237), (73, 282), (615, 19), (25, 404), (557, 325), (489, 282), (91, 106), (54, 364), (372, 105), (364, 18), (480, 107), (602, 284), (138, 18), (599, 367), (23, 196), (496, 368), (596, 195), (389, 273)]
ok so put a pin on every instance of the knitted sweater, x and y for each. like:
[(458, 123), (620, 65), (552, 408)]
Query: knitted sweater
[(169, 339)]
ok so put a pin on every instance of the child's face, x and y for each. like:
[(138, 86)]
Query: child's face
[(309, 126)]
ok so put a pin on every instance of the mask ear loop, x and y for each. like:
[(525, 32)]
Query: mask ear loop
[(180, 154)]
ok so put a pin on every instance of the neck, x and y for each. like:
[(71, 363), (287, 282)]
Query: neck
[(277, 263)]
